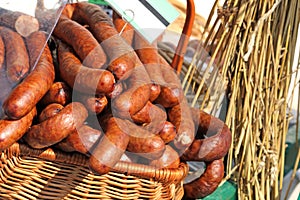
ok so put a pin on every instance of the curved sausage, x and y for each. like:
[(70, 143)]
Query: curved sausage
[(16, 56), (154, 91), (207, 182), (218, 140), (94, 104), (12, 130), (135, 97), (58, 127), (168, 132), (28, 93), (170, 159), (49, 111), (82, 40), (180, 116), (118, 89), (141, 141), (110, 148), (59, 92), (122, 56), (171, 93), (81, 78), (81, 140)]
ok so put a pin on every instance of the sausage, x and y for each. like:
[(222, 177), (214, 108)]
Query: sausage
[(49, 111), (141, 141), (171, 93), (83, 42), (154, 91), (29, 92), (170, 159), (68, 10), (2, 53), (94, 104), (16, 56), (168, 132), (12, 130), (122, 56), (135, 97), (20, 22), (143, 115), (208, 182), (81, 78), (158, 118), (218, 140), (125, 27), (59, 92), (81, 140), (180, 115), (110, 148), (118, 89), (58, 127)]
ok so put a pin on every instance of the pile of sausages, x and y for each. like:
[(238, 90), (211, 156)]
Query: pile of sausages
[(104, 91)]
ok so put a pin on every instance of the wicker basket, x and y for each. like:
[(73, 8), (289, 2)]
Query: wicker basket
[(27, 173)]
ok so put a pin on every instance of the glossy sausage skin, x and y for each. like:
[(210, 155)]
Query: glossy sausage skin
[(81, 78), (180, 115), (95, 104), (126, 28), (83, 42), (141, 141), (207, 183), (49, 111), (2, 53), (135, 97), (169, 159), (58, 127), (110, 148), (218, 140), (81, 140), (12, 130), (122, 56), (29, 92), (59, 92), (168, 132), (16, 56)]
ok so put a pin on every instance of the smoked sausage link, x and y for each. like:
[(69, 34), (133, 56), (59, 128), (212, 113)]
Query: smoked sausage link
[(12, 130), (110, 148), (207, 182), (29, 92), (215, 145), (58, 127)]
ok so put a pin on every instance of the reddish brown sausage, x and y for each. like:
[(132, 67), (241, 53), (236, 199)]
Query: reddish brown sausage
[(59, 92), (207, 182), (135, 97), (118, 89), (58, 127), (121, 55), (81, 78), (50, 110), (28, 93), (168, 132), (218, 140), (110, 148), (171, 93), (180, 116), (126, 28), (16, 56), (169, 159), (154, 91), (141, 141), (83, 42), (94, 104), (80, 140), (12, 130)]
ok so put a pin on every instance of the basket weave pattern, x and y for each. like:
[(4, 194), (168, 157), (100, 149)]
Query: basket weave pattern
[(27, 173)]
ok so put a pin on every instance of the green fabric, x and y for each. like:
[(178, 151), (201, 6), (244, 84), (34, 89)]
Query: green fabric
[(100, 2), (227, 191)]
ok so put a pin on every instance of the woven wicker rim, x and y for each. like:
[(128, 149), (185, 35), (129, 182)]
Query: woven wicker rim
[(140, 170)]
